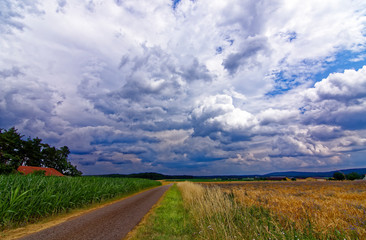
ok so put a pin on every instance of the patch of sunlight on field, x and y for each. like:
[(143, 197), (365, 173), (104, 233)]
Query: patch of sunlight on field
[(322, 205)]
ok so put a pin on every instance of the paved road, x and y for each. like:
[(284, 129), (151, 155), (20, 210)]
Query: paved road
[(108, 223)]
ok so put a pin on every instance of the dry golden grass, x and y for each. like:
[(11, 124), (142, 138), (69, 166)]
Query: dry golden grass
[(211, 211), (327, 206), (217, 216)]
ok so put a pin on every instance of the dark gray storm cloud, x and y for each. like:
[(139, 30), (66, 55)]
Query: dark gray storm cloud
[(247, 54), (13, 72)]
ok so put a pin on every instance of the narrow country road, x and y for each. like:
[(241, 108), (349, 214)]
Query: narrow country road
[(108, 223)]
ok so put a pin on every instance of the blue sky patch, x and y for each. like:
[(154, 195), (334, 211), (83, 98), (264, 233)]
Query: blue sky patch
[(343, 60)]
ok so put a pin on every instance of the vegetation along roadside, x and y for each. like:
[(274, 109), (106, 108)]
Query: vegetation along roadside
[(169, 220), (27, 199)]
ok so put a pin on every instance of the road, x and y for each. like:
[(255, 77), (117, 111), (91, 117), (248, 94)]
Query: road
[(108, 223)]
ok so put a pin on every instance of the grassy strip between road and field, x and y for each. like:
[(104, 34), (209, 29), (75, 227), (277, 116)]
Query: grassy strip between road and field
[(28, 199), (168, 221)]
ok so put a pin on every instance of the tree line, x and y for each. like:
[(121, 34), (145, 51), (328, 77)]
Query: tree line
[(349, 176), (15, 152)]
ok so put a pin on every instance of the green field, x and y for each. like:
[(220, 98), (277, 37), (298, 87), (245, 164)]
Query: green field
[(25, 199)]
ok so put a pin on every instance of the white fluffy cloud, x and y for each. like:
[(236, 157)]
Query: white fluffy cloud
[(350, 85), (339, 99)]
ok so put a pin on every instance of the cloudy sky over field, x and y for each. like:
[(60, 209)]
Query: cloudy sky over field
[(188, 87)]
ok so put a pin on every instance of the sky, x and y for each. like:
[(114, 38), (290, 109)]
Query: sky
[(200, 87)]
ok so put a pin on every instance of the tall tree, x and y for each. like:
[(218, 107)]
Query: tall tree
[(11, 145), (32, 152), (339, 176)]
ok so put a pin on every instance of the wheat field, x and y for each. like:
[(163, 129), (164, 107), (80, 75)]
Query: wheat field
[(331, 205), (277, 210)]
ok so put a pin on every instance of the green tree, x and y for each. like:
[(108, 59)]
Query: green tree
[(339, 176), (11, 145), (32, 152), (353, 176)]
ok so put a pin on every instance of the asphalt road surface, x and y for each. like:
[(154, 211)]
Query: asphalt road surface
[(108, 223)]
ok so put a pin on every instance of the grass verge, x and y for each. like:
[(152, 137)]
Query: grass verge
[(169, 221)]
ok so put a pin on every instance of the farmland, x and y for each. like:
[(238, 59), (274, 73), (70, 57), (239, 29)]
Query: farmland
[(261, 210), (209, 210), (323, 207), (278, 210), (25, 199)]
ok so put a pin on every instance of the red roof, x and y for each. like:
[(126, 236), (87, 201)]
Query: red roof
[(48, 171)]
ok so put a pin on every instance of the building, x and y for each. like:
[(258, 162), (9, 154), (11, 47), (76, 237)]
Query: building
[(48, 171)]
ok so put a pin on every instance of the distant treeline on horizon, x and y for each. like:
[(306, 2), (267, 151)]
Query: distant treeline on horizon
[(159, 176)]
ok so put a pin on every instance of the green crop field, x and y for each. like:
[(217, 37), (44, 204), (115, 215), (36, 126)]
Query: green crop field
[(25, 199)]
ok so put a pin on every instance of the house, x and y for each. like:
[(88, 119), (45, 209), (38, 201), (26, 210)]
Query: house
[(48, 171), (364, 178)]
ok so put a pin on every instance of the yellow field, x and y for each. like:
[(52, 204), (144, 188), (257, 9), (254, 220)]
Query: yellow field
[(277, 210), (324, 205)]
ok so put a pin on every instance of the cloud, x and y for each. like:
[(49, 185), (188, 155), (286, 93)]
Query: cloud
[(326, 133), (118, 158), (206, 87), (338, 99), (342, 87), (13, 72), (12, 13), (25, 99), (217, 118), (277, 116), (247, 54), (298, 146)]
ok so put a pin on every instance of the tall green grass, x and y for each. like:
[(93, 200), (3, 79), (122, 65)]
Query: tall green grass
[(26, 199)]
